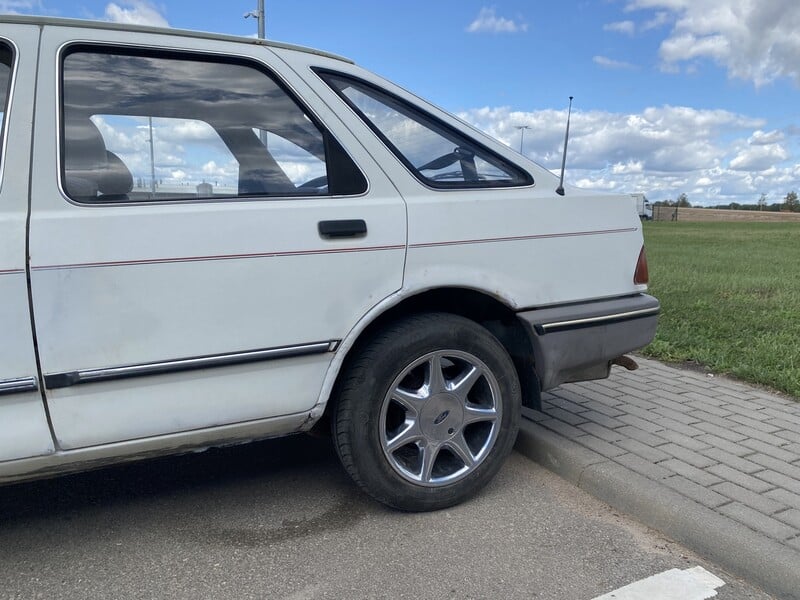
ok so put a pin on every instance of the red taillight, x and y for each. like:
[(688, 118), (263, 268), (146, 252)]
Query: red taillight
[(641, 275)]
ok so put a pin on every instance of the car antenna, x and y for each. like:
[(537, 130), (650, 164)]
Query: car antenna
[(560, 188)]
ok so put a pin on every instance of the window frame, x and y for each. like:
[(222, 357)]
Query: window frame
[(426, 117), (133, 49), (12, 79)]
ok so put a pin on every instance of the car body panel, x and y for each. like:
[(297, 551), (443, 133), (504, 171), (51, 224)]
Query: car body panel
[(23, 423)]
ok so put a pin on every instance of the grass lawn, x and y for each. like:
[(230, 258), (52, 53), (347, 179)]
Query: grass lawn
[(730, 298)]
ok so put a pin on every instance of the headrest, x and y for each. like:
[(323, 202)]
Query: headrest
[(89, 168)]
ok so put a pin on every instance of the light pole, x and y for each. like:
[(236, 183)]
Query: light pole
[(152, 160), (522, 129), (258, 14)]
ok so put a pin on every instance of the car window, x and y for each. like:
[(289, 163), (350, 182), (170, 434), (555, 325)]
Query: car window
[(145, 126), (6, 65), (437, 154)]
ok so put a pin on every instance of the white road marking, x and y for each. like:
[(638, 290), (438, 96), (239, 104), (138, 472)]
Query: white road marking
[(690, 584)]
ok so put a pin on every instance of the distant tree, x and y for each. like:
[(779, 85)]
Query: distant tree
[(735, 206), (790, 201), (762, 202), (683, 201)]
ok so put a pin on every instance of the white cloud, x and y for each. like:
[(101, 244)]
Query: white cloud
[(715, 156), (597, 183), (610, 63), (762, 138), (759, 158), (754, 40), (182, 130), (626, 27), (629, 167), (629, 27), (659, 20), (135, 12), (487, 21)]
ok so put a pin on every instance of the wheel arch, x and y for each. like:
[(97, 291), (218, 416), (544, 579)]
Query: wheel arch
[(476, 305)]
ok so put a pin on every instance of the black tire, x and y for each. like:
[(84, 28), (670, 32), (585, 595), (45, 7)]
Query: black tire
[(415, 441)]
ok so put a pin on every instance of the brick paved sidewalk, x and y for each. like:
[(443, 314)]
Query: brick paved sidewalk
[(729, 447)]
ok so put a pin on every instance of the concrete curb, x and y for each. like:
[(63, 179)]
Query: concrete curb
[(748, 554)]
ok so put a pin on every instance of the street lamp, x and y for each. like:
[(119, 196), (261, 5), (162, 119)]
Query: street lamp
[(522, 129), (258, 14)]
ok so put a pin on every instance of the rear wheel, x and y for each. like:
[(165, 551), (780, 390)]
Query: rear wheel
[(427, 412)]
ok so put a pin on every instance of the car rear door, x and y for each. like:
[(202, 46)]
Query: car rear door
[(23, 423), (204, 287)]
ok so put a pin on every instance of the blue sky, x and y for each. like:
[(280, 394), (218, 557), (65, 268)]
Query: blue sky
[(671, 96)]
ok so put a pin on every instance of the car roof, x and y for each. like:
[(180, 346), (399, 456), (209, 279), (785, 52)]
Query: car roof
[(90, 24)]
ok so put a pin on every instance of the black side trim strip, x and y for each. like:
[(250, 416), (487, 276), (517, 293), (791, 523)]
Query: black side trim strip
[(61, 380), (18, 386), (595, 321)]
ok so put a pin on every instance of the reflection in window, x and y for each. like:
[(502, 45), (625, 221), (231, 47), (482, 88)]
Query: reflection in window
[(301, 167), (186, 158), (141, 126)]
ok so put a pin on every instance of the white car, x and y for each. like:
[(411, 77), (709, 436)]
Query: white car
[(207, 240)]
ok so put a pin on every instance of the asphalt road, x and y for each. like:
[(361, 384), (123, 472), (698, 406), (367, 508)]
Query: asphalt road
[(280, 519)]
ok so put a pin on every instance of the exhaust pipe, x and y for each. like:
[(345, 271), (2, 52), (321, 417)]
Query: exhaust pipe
[(625, 361)]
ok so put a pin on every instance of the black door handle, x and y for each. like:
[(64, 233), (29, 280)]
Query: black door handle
[(342, 228)]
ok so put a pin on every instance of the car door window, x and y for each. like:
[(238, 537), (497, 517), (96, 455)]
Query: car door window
[(435, 153), (139, 125)]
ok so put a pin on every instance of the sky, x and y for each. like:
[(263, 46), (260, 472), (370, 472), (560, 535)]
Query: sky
[(700, 97)]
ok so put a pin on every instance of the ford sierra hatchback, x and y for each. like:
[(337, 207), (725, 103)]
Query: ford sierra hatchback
[(207, 240)]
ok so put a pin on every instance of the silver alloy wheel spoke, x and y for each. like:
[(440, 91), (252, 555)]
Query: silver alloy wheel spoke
[(436, 383), (410, 434), (473, 414), (458, 445), (462, 386), (413, 401), (429, 454)]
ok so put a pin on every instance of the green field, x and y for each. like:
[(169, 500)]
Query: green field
[(730, 297)]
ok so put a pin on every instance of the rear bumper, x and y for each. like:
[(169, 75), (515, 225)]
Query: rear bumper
[(577, 342)]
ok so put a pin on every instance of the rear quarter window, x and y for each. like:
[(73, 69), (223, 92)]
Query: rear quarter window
[(437, 154)]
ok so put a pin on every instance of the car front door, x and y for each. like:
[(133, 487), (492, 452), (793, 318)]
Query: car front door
[(200, 239)]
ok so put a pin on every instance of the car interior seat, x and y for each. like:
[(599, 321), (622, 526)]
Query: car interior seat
[(91, 172)]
